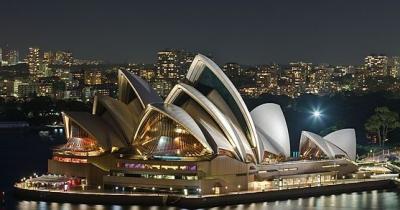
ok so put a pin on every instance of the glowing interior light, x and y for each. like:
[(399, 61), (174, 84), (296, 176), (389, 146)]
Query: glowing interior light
[(179, 130)]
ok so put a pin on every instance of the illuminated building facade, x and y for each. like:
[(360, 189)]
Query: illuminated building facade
[(233, 70), (376, 65), (93, 77), (63, 58), (297, 77), (267, 79), (167, 71), (170, 69), (9, 56), (200, 139), (34, 62), (394, 67)]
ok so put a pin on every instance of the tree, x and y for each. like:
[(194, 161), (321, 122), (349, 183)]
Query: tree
[(382, 123)]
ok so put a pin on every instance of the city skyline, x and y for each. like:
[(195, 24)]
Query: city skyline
[(336, 32), (199, 104), (23, 57)]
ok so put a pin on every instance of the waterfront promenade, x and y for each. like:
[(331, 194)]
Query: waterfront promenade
[(200, 201)]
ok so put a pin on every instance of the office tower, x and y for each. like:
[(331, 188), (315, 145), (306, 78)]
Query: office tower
[(233, 70), (376, 65), (297, 75), (63, 58), (267, 78), (168, 64), (9, 56), (93, 77), (169, 70), (34, 62), (394, 67), (13, 57), (48, 58), (319, 80)]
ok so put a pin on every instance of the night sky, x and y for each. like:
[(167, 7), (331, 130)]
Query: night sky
[(249, 32)]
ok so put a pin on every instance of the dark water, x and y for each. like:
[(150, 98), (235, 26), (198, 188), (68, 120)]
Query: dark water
[(22, 154)]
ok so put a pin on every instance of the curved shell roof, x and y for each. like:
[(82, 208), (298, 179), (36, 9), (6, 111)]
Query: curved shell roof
[(212, 111), (344, 139), (119, 112), (143, 91), (178, 115), (266, 145), (221, 141), (330, 150), (227, 127), (271, 125), (96, 127), (199, 65)]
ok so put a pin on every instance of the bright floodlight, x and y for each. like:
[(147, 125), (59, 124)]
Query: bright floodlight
[(316, 113)]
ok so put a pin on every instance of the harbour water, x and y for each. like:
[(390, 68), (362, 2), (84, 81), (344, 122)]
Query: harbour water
[(22, 154), (365, 200)]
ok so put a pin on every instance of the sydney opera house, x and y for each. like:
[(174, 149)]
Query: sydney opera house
[(200, 139)]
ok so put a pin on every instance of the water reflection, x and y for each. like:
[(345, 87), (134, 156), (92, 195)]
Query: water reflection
[(387, 200)]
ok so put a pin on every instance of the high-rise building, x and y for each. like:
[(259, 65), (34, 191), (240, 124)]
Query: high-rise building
[(9, 56), (297, 75), (233, 70), (186, 60), (63, 58), (341, 71), (13, 57), (376, 65), (394, 65), (319, 80), (34, 62), (93, 77), (170, 69), (147, 74), (48, 58), (23, 89), (6, 87), (168, 64), (360, 76), (267, 78)]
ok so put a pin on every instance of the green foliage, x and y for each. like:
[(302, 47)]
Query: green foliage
[(382, 122), (39, 110)]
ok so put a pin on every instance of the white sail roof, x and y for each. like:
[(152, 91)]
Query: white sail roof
[(178, 115), (344, 139), (329, 148), (271, 125), (203, 66)]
